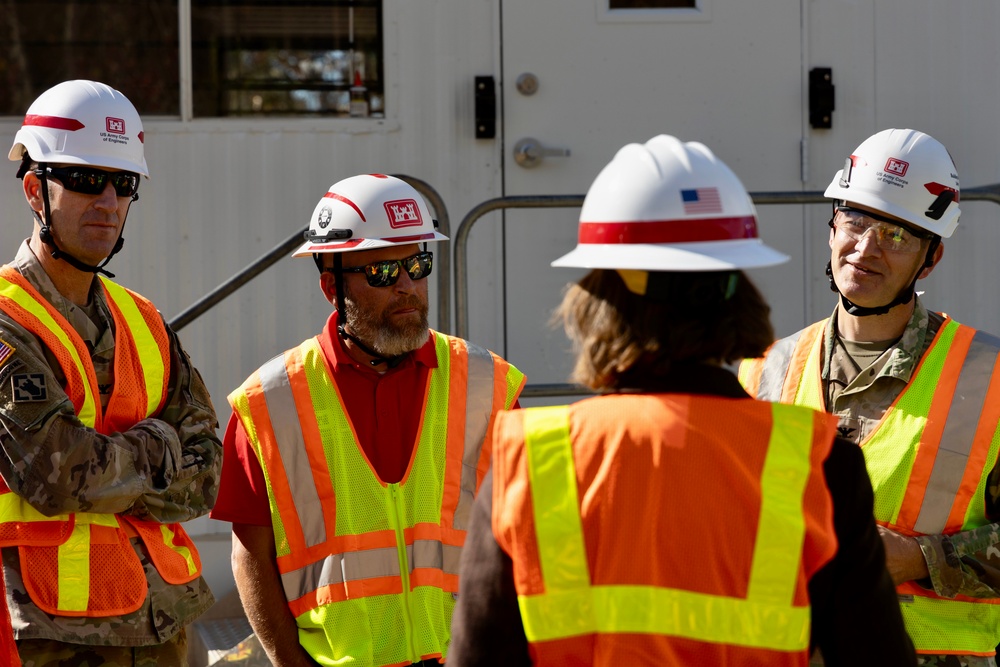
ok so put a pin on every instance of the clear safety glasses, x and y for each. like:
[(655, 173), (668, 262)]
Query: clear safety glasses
[(889, 234)]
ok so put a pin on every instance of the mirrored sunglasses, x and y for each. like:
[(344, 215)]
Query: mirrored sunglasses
[(889, 234), (386, 272), (90, 181)]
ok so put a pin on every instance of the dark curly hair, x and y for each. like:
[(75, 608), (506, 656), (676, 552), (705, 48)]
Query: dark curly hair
[(625, 340)]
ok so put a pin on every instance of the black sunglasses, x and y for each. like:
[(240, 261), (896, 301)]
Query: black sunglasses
[(386, 272), (90, 181)]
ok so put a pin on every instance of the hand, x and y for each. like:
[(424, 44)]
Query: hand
[(903, 557)]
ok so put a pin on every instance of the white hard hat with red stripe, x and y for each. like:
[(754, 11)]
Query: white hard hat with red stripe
[(85, 123), (903, 173), (365, 212), (668, 205)]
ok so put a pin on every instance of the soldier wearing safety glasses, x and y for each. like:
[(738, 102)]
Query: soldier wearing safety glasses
[(108, 434), (915, 389), (352, 460)]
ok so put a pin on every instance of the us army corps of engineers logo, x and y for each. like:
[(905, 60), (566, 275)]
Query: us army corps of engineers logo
[(403, 213)]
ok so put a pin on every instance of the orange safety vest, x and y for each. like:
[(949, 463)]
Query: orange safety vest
[(369, 569), (83, 564), (929, 460), (664, 529), (8, 645)]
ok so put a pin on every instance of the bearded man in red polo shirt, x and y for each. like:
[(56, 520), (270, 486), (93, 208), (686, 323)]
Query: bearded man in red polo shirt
[(352, 461)]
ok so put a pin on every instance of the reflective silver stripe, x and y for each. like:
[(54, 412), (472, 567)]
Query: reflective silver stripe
[(478, 408), (369, 564), (775, 368), (340, 568), (292, 447), (432, 554), (958, 435), (450, 559)]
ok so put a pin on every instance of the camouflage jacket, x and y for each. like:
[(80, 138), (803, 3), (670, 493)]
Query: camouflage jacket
[(966, 563), (163, 469)]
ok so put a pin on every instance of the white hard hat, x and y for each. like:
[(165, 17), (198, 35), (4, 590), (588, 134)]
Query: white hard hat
[(82, 122), (903, 173), (667, 205), (365, 212)]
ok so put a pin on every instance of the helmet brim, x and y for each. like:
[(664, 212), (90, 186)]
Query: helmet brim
[(681, 257), (18, 150), (310, 248)]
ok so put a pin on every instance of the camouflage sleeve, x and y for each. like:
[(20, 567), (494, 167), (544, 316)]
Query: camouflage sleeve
[(59, 465), (188, 410), (968, 563)]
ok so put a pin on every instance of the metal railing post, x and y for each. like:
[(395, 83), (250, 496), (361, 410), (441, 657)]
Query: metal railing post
[(462, 241)]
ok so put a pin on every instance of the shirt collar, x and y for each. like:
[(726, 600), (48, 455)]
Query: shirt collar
[(95, 328), (905, 354), (694, 378), (28, 266)]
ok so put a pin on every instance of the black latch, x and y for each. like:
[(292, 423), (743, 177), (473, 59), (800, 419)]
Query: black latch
[(821, 104), (486, 107)]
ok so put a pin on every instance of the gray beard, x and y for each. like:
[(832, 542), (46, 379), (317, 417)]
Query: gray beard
[(381, 334)]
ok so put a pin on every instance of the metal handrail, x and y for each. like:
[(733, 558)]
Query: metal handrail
[(268, 259), (982, 193), (462, 241), (979, 193)]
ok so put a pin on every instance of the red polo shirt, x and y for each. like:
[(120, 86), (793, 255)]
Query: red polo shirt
[(385, 409)]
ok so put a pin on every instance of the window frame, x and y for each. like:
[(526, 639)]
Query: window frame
[(701, 12)]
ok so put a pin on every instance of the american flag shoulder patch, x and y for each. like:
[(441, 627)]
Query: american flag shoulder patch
[(6, 351)]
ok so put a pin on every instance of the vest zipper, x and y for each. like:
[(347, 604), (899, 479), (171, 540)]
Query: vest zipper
[(396, 514)]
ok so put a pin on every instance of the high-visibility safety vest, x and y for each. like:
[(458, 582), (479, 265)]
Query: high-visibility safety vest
[(664, 529), (8, 645), (928, 458), (83, 563), (370, 569)]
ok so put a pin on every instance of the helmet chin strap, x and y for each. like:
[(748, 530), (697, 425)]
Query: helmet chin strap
[(45, 233), (903, 297), (376, 358)]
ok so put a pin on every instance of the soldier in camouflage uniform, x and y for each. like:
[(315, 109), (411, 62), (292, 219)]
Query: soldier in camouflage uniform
[(877, 364), (161, 469)]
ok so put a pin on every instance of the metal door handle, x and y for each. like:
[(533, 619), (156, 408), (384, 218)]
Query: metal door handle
[(529, 152)]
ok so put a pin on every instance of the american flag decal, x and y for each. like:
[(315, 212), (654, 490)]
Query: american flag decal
[(701, 200), (6, 350)]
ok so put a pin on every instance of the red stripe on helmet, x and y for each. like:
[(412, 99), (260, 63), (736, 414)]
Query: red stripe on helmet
[(142, 137), (936, 188), (342, 198), (55, 122), (670, 231)]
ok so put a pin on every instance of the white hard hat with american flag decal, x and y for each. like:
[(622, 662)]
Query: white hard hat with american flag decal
[(668, 205)]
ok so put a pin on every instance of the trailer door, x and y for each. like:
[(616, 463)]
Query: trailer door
[(581, 78)]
